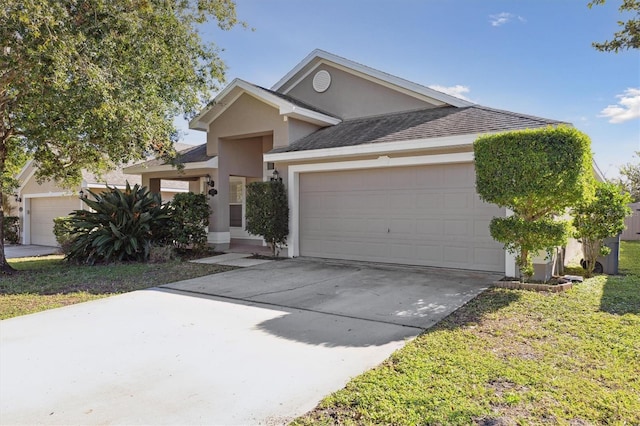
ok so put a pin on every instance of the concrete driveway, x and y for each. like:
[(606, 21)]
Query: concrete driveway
[(259, 345), (30, 250)]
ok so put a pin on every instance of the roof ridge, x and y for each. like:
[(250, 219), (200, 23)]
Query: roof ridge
[(409, 111), (289, 99), (519, 115)]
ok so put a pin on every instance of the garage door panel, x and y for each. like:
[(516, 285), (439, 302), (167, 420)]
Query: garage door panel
[(458, 176), (436, 219), (413, 253), (430, 227), (433, 175), (429, 200), (458, 200), (456, 255), (403, 226), (487, 256), (41, 214), (456, 228), (403, 198), (481, 229)]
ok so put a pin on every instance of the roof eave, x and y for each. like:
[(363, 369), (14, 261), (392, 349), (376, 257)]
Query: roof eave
[(139, 169), (284, 107), (378, 148)]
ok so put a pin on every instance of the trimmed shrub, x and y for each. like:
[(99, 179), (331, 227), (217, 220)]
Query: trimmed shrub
[(189, 221), (268, 213), (161, 254), (121, 227), (63, 231), (537, 174), (11, 225)]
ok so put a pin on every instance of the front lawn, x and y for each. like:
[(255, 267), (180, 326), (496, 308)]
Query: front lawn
[(49, 282), (512, 357)]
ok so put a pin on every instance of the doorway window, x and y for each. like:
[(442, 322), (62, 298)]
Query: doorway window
[(236, 202)]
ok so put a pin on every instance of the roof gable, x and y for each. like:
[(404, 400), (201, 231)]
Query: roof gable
[(319, 57), (286, 106)]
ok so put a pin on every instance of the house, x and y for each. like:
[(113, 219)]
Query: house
[(377, 168), (37, 204)]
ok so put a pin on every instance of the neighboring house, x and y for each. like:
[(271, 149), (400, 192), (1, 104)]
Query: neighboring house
[(40, 203), (377, 168)]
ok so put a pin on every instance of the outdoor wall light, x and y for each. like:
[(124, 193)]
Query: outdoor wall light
[(211, 183), (276, 176), (17, 198), (83, 196)]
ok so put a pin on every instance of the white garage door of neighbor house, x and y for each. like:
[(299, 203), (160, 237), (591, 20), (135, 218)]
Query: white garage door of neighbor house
[(419, 215), (42, 213)]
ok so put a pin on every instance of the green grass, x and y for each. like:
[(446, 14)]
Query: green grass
[(512, 357), (49, 282), (630, 258)]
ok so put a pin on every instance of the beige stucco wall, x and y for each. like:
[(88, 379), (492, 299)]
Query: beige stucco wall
[(247, 117), (299, 129), (238, 157), (47, 186), (351, 96)]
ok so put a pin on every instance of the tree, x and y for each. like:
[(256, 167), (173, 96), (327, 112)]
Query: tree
[(630, 180), (629, 36), (91, 84), (268, 212), (536, 174), (15, 161), (599, 218)]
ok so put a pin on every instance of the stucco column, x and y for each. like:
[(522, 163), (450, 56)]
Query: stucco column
[(219, 235), (153, 185), (195, 186)]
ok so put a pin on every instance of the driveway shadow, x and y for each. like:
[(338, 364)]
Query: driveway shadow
[(330, 330), (334, 330), (473, 312)]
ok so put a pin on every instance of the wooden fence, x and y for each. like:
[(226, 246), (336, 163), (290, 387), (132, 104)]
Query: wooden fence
[(632, 224)]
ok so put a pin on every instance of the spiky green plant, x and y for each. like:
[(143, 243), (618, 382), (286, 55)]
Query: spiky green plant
[(121, 226)]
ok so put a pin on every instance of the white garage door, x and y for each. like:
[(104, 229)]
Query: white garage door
[(421, 215), (42, 213)]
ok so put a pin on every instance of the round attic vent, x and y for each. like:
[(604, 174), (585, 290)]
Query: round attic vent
[(321, 81)]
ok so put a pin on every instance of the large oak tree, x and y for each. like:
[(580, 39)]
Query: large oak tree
[(629, 35), (92, 84)]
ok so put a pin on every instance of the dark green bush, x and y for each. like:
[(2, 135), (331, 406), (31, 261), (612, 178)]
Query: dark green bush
[(189, 221), (268, 212), (122, 225), (11, 226), (63, 231)]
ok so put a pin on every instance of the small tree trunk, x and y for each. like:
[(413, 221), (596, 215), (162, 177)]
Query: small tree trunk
[(5, 268), (523, 265), (590, 251)]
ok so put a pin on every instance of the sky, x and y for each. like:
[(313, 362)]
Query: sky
[(530, 56)]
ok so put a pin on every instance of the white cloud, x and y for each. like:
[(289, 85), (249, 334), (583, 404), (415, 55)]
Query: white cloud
[(628, 107), (457, 90), (504, 17)]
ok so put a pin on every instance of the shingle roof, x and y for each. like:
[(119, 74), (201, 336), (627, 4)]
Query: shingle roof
[(192, 154), (417, 124)]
